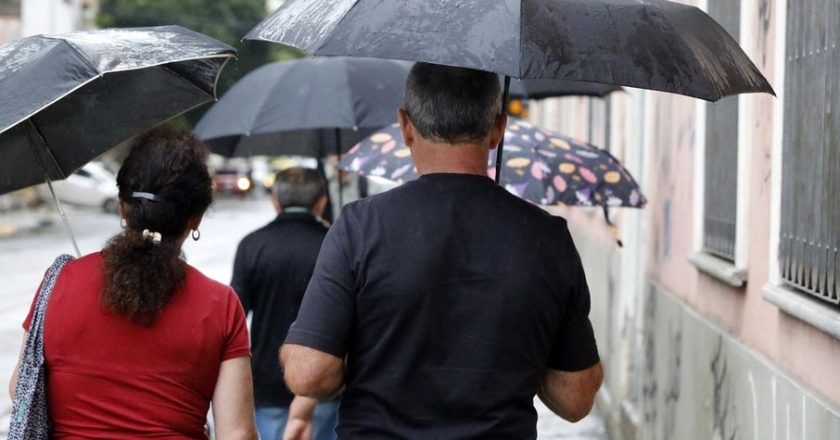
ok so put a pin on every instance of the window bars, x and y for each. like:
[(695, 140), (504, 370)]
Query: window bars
[(810, 218), (721, 154)]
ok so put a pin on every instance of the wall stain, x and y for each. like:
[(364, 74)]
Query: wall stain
[(723, 410), (650, 387), (765, 15), (672, 388)]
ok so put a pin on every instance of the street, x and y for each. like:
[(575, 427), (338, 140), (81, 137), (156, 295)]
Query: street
[(24, 259)]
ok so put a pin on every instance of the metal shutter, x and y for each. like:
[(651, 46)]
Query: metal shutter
[(810, 218)]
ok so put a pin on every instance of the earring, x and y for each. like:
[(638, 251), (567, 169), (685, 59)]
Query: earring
[(123, 223), (196, 234)]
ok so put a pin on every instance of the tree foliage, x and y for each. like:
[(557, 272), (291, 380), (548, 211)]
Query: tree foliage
[(226, 20)]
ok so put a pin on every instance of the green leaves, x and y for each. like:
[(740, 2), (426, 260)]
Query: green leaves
[(227, 21)]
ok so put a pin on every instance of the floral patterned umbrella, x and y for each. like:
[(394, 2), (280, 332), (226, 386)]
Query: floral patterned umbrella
[(540, 166)]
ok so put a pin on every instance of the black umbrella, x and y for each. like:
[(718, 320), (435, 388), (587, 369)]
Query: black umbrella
[(649, 44), (310, 107), (300, 107), (69, 98), (549, 88)]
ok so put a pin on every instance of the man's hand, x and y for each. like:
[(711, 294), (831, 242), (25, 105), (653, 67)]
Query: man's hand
[(571, 395), (311, 373), (299, 424), (298, 430)]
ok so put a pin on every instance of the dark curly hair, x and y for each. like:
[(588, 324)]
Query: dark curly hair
[(140, 275)]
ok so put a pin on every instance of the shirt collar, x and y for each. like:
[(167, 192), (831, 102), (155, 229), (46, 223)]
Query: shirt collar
[(295, 213), (296, 210)]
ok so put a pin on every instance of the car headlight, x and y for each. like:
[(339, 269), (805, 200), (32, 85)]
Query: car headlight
[(244, 184)]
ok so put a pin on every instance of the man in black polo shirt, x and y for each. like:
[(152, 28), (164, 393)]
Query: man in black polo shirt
[(272, 268), (445, 305)]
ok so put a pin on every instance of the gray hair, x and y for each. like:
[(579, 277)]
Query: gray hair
[(299, 187), (452, 104)]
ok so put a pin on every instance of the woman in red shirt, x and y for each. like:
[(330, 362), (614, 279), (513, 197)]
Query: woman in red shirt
[(137, 342)]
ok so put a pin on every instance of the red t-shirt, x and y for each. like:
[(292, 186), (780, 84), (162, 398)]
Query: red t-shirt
[(110, 378)]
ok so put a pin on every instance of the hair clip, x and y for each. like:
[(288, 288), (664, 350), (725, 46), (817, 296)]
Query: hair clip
[(155, 237), (145, 196)]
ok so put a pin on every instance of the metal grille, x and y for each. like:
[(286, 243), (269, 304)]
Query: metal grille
[(720, 204), (810, 223)]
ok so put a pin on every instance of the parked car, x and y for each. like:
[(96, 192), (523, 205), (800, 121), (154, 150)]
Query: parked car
[(232, 181), (262, 174), (92, 186)]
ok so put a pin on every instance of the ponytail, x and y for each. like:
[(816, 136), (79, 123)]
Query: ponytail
[(163, 185), (141, 276)]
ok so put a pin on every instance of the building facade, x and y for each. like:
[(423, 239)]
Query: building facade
[(719, 317)]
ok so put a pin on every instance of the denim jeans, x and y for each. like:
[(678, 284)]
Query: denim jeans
[(271, 421)]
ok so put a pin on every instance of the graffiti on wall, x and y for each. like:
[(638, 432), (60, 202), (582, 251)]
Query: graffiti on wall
[(649, 384), (734, 394), (671, 396), (765, 15), (723, 412)]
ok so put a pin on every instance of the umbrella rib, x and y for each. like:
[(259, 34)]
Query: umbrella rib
[(219, 76), (230, 53), (42, 141), (69, 92), (166, 68), (82, 54)]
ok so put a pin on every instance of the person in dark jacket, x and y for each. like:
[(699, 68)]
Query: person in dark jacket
[(272, 268)]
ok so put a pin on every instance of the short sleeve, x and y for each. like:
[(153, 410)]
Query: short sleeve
[(328, 309), (574, 347), (236, 331)]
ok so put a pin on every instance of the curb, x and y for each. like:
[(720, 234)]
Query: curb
[(14, 229)]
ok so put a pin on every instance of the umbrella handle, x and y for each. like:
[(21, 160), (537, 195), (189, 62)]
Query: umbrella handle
[(63, 218), (501, 148), (31, 131), (613, 228)]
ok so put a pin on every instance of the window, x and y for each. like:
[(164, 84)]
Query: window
[(10, 8), (720, 202), (810, 213)]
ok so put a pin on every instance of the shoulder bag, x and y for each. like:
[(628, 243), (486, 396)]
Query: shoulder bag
[(30, 418)]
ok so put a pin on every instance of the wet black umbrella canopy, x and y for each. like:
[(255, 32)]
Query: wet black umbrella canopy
[(551, 88), (649, 44), (311, 107), (69, 98)]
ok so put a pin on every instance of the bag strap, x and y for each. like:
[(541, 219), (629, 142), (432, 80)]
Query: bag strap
[(34, 350)]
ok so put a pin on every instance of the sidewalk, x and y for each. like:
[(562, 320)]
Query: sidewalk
[(17, 223)]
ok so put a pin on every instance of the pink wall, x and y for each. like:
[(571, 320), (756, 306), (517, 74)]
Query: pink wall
[(804, 351)]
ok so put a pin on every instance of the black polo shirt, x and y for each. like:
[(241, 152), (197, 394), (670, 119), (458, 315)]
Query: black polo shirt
[(449, 297), (270, 274)]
